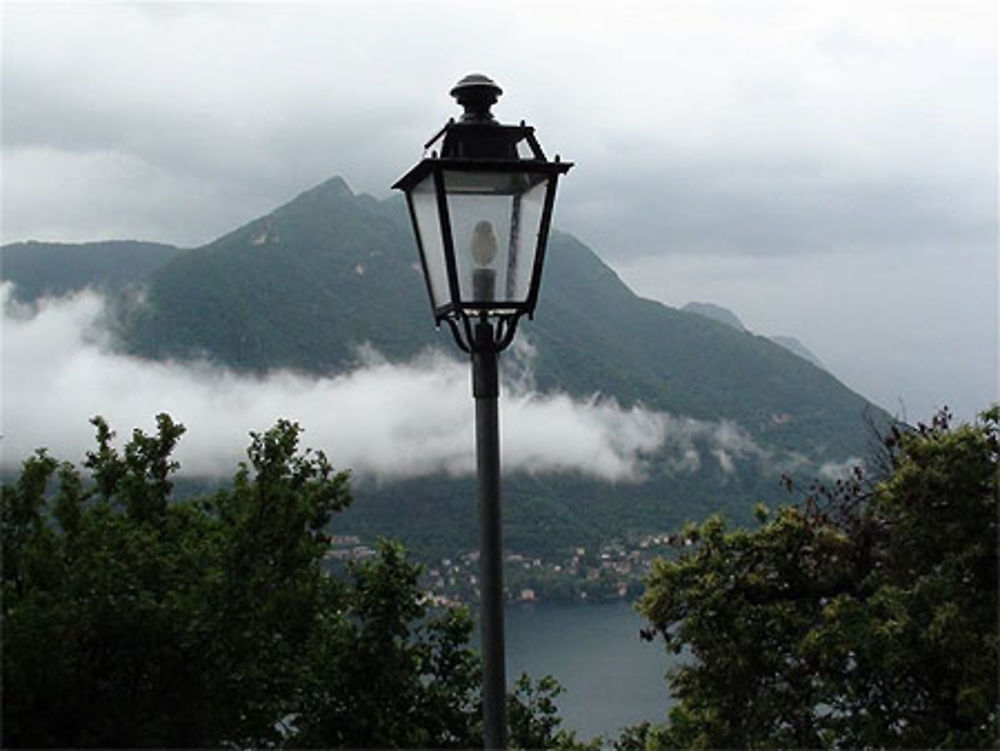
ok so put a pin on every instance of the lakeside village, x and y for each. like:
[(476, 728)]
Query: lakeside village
[(616, 570)]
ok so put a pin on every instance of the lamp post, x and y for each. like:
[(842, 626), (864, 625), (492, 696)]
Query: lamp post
[(481, 202)]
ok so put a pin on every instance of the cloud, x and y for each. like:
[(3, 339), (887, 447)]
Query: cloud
[(382, 420), (596, 436), (753, 131), (732, 209), (687, 439)]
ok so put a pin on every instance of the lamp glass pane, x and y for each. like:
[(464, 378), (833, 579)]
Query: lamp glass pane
[(494, 222), (525, 225), (425, 211)]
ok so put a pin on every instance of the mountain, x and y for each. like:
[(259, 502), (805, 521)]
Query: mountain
[(726, 316), (794, 345), (345, 265), (716, 313), (40, 269), (254, 299), (304, 286)]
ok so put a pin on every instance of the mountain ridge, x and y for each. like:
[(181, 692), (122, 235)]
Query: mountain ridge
[(729, 318)]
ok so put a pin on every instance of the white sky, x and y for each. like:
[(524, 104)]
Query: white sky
[(826, 170)]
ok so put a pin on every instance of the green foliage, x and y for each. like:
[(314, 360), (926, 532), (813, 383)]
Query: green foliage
[(389, 674), (865, 617), (132, 619), (534, 720)]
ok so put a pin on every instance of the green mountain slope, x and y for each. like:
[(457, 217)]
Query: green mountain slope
[(594, 334), (300, 288)]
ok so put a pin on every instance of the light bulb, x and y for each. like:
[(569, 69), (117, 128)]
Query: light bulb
[(484, 243)]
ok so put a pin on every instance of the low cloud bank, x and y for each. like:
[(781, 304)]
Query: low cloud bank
[(382, 420)]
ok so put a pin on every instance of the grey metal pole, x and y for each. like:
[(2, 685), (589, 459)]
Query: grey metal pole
[(486, 390)]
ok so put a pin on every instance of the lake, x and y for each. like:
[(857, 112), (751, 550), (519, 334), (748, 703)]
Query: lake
[(612, 677)]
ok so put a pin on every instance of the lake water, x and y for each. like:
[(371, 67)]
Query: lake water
[(612, 677)]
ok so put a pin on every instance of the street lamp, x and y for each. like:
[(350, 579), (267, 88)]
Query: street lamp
[(481, 204)]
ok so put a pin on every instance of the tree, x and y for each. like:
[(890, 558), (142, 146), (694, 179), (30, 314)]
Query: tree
[(389, 674), (865, 616), (134, 619), (534, 718)]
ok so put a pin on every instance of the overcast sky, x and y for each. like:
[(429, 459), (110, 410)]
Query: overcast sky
[(826, 170)]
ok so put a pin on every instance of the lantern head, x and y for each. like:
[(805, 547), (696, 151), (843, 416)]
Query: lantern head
[(481, 204)]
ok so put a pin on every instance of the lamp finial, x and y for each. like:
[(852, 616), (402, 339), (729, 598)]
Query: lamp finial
[(476, 93)]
